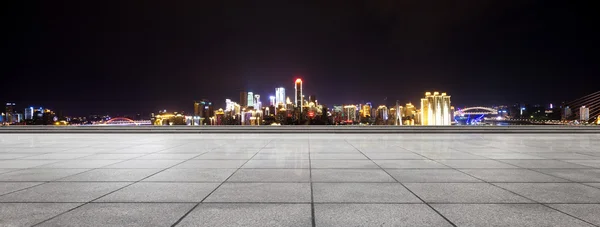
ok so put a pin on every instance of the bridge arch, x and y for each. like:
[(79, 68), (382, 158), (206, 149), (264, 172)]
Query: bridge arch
[(481, 110), (120, 119)]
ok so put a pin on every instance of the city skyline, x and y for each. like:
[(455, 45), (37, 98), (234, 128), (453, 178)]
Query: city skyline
[(76, 56)]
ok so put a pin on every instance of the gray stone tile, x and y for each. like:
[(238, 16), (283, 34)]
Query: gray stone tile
[(377, 215), (259, 215), (39, 174), (505, 215), (111, 156), (226, 155), (192, 175), (469, 164), (277, 164), (271, 175), (79, 164), (562, 155), (577, 175), (58, 156), (586, 212), (261, 192), (443, 155), (555, 192), (281, 155), (62, 192), (539, 164), (399, 155), (7, 170), (216, 164), (596, 185), (8, 187), (343, 164), (338, 156), (112, 175), (430, 176), (161, 192), (507, 155), (511, 175), (167, 156), (14, 155), (122, 214), (408, 164), (144, 164), (22, 164), (29, 214), (350, 175), (463, 193), (363, 193), (588, 163)]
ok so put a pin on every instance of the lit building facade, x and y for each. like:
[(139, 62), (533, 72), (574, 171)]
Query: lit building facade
[(299, 101), (272, 101), (243, 98), (29, 113), (435, 109), (257, 103), (250, 98), (584, 113), (10, 112), (279, 96), (350, 113)]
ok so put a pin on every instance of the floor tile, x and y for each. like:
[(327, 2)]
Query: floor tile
[(343, 164), (411, 164), (8, 187), (144, 164), (443, 155), (22, 164), (464, 164), (586, 212), (338, 156), (39, 174), (226, 156), (261, 192), (377, 215), (271, 175), (28, 214), (463, 193), (167, 156), (363, 192), (278, 164), (79, 164), (161, 192), (511, 175), (350, 175), (538, 164), (216, 164), (122, 214), (190, 175), (259, 215), (58, 156), (112, 175), (505, 215), (283, 155), (577, 175), (430, 176), (587, 163), (111, 156), (62, 192), (555, 192)]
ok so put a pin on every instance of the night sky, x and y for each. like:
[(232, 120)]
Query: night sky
[(136, 56)]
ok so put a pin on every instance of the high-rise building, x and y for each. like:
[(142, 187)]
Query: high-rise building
[(272, 101), (584, 113), (29, 113), (350, 113), (204, 110), (257, 103), (435, 109), (10, 111), (243, 99), (299, 97), (279, 96), (250, 99), (382, 115), (312, 98)]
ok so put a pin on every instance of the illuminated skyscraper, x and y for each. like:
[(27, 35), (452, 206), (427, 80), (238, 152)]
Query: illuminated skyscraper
[(350, 113), (435, 109), (279, 96), (584, 113), (257, 103), (299, 97), (243, 99), (250, 99), (29, 113), (272, 100), (10, 111)]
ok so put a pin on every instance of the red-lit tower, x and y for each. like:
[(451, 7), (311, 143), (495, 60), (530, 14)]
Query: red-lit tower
[(299, 99)]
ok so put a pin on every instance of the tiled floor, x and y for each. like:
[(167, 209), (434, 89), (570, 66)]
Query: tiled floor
[(299, 180)]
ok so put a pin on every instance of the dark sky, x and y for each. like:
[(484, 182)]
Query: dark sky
[(141, 56)]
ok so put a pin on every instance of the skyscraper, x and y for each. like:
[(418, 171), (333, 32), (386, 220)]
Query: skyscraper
[(584, 113), (10, 111), (29, 113), (250, 99), (279, 96), (435, 109), (272, 101), (257, 103), (299, 98), (243, 99)]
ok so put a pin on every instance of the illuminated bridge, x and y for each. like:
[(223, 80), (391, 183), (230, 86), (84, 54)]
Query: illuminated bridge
[(125, 121), (477, 110)]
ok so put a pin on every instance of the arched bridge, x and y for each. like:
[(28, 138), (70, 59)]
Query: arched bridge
[(476, 110)]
